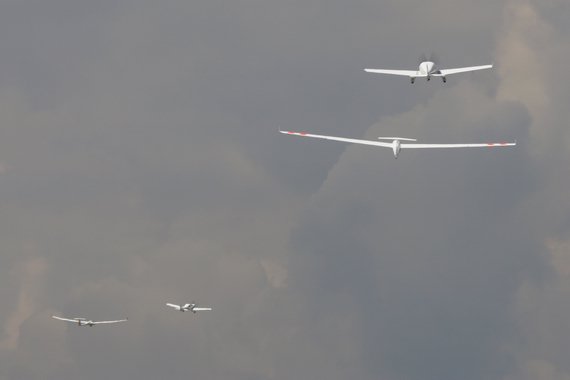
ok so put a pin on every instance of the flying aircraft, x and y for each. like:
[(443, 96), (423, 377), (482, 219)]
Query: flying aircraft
[(188, 307), (428, 69), (396, 145), (88, 322)]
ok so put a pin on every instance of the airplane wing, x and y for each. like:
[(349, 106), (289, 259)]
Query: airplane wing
[(177, 307), (105, 322), (406, 73), (65, 319), (445, 72), (202, 309), (482, 145), (342, 139)]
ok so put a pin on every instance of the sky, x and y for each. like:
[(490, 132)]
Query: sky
[(140, 164)]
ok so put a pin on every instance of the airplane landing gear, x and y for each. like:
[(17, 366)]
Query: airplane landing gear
[(444, 79), (412, 80)]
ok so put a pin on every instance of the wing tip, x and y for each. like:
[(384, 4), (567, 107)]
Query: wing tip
[(294, 133), (500, 144)]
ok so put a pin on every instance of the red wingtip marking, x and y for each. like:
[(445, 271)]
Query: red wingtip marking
[(296, 133)]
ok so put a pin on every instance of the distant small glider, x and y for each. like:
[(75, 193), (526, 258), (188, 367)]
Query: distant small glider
[(188, 307), (87, 322)]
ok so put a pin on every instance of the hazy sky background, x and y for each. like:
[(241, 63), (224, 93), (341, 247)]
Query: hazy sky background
[(140, 164)]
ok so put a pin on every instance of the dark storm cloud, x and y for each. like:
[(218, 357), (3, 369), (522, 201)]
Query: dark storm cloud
[(140, 164)]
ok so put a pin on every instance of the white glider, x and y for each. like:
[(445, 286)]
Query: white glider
[(428, 69), (396, 145), (88, 322), (188, 307)]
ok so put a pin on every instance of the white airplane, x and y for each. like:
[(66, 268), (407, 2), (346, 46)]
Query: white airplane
[(88, 322), (396, 145), (188, 307), (428, 69)]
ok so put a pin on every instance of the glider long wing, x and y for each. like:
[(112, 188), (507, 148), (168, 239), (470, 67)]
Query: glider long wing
[(342, 139), (106, 322), (403, 145), (480, 145), (202, 309), (406, 73), (65, 319), (445, 72)]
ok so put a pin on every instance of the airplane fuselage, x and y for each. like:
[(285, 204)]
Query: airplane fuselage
[(426, 68), (188, 307)]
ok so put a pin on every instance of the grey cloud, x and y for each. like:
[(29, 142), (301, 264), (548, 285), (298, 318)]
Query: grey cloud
[(142, 165)]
